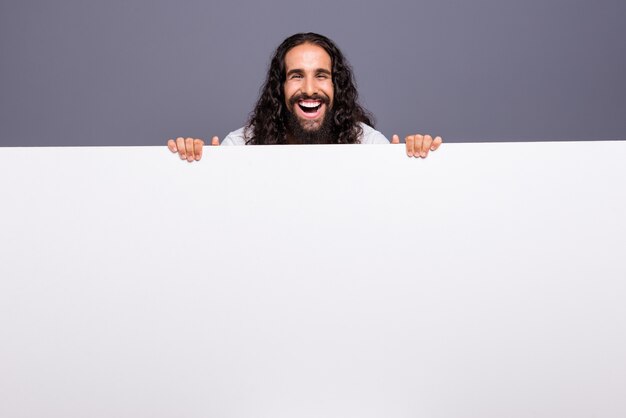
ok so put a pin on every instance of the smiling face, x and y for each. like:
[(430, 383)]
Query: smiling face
[(308, 86)]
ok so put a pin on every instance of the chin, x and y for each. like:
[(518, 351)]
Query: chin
[(311, 131), (311, 127)]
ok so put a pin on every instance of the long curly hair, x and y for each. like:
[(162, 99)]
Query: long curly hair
[(267, 123)]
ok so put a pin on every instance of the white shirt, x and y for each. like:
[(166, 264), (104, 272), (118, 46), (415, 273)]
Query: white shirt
[(370, 136)]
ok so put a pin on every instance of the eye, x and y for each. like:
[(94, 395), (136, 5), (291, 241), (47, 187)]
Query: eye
[(296, 76)]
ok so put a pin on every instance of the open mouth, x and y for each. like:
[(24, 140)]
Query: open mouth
[(310, 108)]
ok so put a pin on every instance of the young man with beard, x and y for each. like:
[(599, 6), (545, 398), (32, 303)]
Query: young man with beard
[(309, 97)]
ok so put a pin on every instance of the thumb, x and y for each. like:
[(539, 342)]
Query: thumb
[(395, 139), (215, 141)]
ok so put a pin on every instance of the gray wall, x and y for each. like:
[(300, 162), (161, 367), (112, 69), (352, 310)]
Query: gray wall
[(136, 72)]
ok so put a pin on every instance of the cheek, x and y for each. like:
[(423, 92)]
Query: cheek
[(287, 96), (288, 92), (329, 90)]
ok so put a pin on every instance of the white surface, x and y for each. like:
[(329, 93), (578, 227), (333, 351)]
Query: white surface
[(314, 281)]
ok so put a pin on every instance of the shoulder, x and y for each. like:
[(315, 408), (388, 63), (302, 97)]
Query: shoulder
[(235, 138), (372, 136)]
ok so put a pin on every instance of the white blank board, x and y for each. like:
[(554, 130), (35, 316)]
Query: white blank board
[(487, 280)]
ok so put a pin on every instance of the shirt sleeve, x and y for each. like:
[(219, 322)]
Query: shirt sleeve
[(372, 136), (234, 138)]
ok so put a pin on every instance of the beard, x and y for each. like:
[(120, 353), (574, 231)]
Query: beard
[(296, 126)]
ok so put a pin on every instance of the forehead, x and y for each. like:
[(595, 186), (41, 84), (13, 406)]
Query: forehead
[(307, 57)]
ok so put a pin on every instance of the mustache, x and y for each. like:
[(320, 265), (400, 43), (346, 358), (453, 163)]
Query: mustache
[(322, 98)]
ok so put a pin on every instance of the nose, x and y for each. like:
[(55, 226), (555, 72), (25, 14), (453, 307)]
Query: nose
[(310, 86)]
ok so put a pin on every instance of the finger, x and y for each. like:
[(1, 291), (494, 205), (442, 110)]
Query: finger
[(410, 143), (215, 141), (428, 140), (419, 140), (395, 139), (180, 144), (197, 148), (436, 143), (189, 146), (171, 145)]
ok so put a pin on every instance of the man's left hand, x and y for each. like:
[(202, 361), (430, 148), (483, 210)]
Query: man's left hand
[(419, 145)]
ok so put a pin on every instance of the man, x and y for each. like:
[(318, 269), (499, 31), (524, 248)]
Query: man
[(309, 97)]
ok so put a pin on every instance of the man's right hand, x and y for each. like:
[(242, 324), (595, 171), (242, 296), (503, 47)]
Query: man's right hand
[(189, 149)]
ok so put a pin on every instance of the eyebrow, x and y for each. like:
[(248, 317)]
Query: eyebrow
[(300, 71)]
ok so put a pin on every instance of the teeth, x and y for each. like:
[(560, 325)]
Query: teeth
[(309, 104)]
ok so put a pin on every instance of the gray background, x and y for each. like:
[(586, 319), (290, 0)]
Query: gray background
[(138, 72)]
